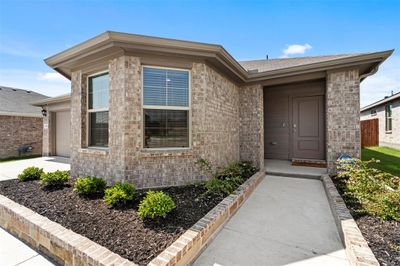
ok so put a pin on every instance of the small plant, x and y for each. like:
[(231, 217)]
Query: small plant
[(225, 181), (377, 192), (155, 204), (30, 173), (120, 194), (90, 185), (55, 179)]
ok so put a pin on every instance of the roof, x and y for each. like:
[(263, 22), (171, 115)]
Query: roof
[(110, 44), (53, 100), (279, 63), (18, 102), (380, 102)]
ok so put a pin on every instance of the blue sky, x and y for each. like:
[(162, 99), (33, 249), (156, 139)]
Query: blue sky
[(33, 30)]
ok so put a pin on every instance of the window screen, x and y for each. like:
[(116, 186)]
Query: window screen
[(166, 108)]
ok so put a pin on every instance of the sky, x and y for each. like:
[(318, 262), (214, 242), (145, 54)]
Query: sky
[(31, 31)]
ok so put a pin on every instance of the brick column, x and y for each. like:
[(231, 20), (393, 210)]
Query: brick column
[(342, 115), (251, 113), (48, 134)]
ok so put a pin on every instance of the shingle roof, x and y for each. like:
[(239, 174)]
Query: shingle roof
[(281, 63), (18, 102), (382, 101)]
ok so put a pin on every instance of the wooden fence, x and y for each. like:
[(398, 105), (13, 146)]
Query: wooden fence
[(370, 133)]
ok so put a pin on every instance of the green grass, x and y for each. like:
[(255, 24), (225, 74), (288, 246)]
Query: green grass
[(16, 158), (389, 159)]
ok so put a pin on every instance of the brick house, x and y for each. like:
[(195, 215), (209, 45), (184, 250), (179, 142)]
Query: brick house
[(20, 123), (387, 111), (146, 109)]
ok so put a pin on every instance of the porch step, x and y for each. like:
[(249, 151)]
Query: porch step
[(309, 162), (295, 175)]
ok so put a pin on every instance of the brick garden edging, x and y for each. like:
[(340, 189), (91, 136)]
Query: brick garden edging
[(357, 250), (189, 245), (62, 245)]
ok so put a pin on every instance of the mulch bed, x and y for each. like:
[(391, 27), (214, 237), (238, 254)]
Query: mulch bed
[(120, 230), (382, 236)]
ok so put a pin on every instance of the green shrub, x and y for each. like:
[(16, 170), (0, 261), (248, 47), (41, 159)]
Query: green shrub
[(120, 194), (155, 204), (54, 179), (90, 185), (30, 173), (225, 181), (377, 192)]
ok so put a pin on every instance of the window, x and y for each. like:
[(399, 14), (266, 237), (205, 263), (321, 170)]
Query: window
[(166, 108), (388, 118), (373, 112), (98, 110)]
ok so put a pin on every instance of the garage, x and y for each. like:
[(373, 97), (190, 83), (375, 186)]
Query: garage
[(62, 130), (56, 125)]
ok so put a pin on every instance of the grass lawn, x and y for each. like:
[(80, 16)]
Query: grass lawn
[(389, 157)]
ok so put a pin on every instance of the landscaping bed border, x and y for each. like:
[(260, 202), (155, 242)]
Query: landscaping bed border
[(57, 242), (189, 245), (69, 248), (357, 250)]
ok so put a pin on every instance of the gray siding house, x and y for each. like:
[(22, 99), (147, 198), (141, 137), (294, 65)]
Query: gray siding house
[(146, 109), (387, 111)]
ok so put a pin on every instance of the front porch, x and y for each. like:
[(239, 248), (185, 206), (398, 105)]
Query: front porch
[(285, 168)]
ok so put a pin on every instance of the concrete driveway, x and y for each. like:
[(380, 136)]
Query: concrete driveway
[(10, 170), (286, 221), (12, 250)]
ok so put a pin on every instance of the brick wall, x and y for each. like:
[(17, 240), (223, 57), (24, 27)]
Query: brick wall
[(214, 129), (16, 131), (252, 125), (342, 115)]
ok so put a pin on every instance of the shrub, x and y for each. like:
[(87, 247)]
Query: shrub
[(155, 204), (120, 194), (55, 179), (231, 177), (90, 185), (30, 173), (377, 192)]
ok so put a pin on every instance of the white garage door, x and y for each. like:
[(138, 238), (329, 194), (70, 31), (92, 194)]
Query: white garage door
[(63, 123)]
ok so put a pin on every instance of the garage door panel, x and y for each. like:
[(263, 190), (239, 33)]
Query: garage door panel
[(63, 124)]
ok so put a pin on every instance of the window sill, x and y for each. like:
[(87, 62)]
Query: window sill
[(166, 152), (94, 151), (388, 132)]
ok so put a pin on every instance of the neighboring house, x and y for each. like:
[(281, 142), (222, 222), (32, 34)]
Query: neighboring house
[(20, 123), (56, 125), (387, 111), (146, 109)]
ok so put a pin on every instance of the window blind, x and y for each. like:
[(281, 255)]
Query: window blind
[(165, 87)]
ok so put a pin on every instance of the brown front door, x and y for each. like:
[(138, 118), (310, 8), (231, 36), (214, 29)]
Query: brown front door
[(308, 127)]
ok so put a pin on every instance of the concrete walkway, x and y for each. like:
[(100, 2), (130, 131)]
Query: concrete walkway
[(12, 250), (286, 221), (10, 170)]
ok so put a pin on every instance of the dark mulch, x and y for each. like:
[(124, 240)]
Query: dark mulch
[(119, 230), (382, 236)]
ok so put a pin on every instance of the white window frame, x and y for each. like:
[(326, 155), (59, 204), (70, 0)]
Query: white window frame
[(89, 111), (390, 105), (160, 107)]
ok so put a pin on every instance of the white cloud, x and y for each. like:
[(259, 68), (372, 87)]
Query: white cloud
[(51, 76), (381, 84), (47, 83), (295, 49)]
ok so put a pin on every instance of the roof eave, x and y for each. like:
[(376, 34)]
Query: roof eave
[(380, 102), (371, 58)]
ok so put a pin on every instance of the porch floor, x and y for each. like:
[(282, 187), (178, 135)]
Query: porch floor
[(285, 168)]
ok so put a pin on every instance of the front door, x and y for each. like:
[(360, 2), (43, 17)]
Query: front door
[(308, 127)]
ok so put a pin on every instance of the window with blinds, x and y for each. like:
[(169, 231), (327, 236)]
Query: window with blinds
[(166, 108), (98, 110)]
